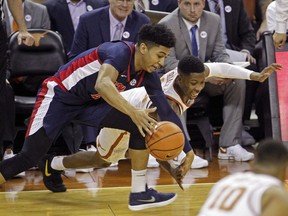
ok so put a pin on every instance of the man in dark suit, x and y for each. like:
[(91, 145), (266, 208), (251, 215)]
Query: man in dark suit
[(99, 26), (237, 33), (157, 5), (63, 21)]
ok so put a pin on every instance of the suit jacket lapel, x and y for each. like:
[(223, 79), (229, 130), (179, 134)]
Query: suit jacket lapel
[(228, 18), (28, 11), (104, 25), (203, 36), (184, 32), (64, 10)]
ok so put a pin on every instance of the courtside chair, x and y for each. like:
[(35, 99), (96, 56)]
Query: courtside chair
[(43, 58)]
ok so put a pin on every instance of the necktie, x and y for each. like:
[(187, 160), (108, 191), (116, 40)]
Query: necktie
[(14, 26), (194, 41), (217, 7), (118, 31)]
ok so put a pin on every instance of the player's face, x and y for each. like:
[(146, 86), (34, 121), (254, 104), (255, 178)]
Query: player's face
[(192, 84), (153, 57), (121, 8), (191, 10)]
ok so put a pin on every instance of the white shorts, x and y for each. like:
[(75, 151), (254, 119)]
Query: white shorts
[(112, 144)]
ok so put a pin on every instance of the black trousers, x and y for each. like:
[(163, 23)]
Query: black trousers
[(3, 90)]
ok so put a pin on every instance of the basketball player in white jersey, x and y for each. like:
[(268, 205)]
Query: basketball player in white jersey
[(254, 193), (177, 88)]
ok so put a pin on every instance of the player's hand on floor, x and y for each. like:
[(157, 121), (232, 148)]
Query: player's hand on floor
[(265, 73), (173, 171), (186, 162), (143, 121)]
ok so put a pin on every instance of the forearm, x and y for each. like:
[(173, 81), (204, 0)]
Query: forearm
[(16, 9), (225, 70)]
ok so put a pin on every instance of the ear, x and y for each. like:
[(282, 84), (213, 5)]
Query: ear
[(143, 48)]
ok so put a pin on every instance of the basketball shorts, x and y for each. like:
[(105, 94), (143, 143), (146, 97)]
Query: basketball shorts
[(112, 144)]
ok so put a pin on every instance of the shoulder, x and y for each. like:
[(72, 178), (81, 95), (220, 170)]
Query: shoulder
[(210, 16), (118, 49), (171, 19), (94, 14), (34, 5), (275, 199), (137, 16)]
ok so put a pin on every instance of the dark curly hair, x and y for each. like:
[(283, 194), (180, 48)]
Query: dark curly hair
[(190, 64), (152, 34)]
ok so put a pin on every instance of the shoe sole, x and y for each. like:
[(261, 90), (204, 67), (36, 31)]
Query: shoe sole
[(233, 158), (152, 205), (199, 166)]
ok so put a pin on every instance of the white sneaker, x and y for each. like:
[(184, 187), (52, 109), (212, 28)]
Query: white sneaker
[(152, 163), (10, 155), (91, 148), (199, 162), (236, 153)]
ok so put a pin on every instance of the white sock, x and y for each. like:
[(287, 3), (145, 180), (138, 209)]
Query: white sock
[(57, 163), (138, 181)]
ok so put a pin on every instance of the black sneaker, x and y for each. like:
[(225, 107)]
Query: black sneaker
[(51, 178), (149, 199)]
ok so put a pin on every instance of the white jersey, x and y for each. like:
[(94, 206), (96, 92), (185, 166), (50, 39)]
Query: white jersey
[(239, 194)]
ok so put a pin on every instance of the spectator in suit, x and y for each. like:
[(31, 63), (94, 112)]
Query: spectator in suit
[(35, 16), (198, 32), (158, 5), (64, 16), (238, 36), (99, 26)]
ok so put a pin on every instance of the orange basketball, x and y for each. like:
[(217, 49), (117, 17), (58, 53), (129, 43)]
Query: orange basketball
[(166, 142)]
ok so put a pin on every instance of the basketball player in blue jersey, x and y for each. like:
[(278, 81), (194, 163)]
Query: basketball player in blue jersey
[(181, 86), (87, 89)]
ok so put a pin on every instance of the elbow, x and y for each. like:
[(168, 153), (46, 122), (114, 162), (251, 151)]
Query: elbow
[(100, 86)]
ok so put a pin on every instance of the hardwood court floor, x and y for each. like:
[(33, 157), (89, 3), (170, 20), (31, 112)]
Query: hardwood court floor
[(105, 192)]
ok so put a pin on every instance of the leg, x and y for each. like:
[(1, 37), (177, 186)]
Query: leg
[(234, 97), (29, 156)]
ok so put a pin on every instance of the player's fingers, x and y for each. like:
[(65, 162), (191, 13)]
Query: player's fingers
[(141, 131)]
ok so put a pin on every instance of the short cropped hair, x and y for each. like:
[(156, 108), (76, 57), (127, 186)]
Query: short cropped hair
[(190, 64), (157, 34), (271, 152)]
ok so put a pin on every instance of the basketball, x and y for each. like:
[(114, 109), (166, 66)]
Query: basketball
[(166, 142)]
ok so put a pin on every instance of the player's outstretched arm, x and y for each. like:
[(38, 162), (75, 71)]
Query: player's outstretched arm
[(224, 70), (265, 73)]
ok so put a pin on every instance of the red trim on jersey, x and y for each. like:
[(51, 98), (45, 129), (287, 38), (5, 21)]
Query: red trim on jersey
[(142, 74), (84, 60), (40, 98)]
